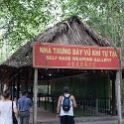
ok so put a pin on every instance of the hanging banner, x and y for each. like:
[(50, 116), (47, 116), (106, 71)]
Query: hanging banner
[(74, 57)]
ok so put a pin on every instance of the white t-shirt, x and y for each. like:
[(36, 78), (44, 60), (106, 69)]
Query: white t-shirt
[(70, 112), (6, 112)]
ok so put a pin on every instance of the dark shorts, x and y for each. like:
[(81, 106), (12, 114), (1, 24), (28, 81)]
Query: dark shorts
[(66, 119)]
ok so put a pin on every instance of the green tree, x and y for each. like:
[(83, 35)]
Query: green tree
[(22, 20)]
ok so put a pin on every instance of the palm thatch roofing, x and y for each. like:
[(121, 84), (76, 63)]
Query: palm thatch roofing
[(71, 31)]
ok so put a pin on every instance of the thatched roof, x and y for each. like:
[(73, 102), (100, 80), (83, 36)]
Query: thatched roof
[(71, 31)]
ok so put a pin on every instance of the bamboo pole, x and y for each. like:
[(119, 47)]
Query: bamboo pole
[(118, 91), (35, 96)]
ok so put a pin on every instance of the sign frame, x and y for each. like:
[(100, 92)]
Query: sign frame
[(96, 51)]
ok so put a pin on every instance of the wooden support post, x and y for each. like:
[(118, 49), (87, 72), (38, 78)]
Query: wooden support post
[(96, 106), (26, 78), (4, 87), (39, 100), (31, 92), (35, 96), (53, 104), (45, 102), (118, 91), (31, 89), (48, 90), (113, 98), (18, 86), (13, 83), (12, 88), (9, 84)]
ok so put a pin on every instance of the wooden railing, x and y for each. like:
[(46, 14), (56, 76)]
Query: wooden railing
[(86, 107)]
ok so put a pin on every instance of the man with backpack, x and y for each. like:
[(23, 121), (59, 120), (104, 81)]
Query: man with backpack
[(65, 105)]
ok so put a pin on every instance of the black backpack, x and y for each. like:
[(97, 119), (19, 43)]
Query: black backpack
[(66, 103)]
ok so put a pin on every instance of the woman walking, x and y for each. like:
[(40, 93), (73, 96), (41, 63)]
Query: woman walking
[(6, 108)]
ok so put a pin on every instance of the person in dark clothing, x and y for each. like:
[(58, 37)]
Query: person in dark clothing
[(24, 104)]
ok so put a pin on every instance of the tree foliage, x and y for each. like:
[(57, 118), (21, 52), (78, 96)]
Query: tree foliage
[(22, 20)]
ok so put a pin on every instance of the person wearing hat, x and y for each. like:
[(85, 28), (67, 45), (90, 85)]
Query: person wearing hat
[(66, 117), (24, 104)]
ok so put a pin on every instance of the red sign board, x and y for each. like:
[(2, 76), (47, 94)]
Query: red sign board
[(72, 56)]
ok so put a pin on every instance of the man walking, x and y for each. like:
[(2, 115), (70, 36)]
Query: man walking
[(66, 114), (24, 104)]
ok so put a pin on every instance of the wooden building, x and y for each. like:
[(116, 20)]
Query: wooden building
[(84, 84)]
